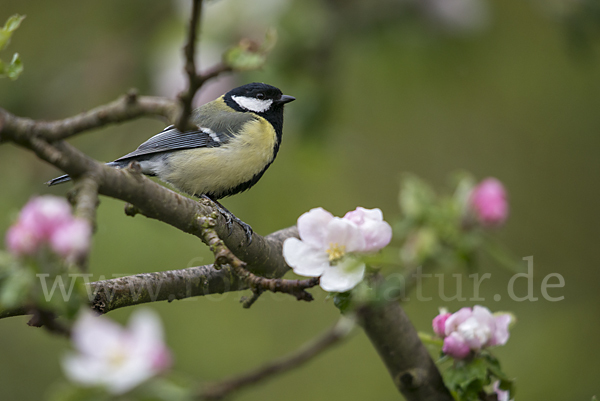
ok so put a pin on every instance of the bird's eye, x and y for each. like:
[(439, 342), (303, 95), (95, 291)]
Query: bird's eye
[(260, 95)]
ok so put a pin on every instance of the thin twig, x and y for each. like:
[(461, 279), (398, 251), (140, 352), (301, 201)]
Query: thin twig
[(224, 257), (187, 96), (310, 350), (84, 197)]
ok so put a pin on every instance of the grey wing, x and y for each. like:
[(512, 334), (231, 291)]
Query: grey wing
[(172, 139)]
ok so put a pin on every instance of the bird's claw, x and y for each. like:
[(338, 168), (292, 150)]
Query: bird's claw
[(230, 218)]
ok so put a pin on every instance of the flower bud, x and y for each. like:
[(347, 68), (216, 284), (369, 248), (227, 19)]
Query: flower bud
[(439, 324), (488, 201), (456, 346)]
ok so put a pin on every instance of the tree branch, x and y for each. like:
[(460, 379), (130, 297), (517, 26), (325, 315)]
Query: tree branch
[(394, 337), (127, 107), (310, 350)]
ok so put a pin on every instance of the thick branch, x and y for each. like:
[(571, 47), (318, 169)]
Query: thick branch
[(307, 352), (394, 337), (163, 286)]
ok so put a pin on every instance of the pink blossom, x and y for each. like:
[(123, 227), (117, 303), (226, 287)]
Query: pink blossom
[(21, 241), (475, 328), (44, 213), (488, 201), (377, 232), (328, 246), (439, 324), (114, 357), (47, 221), (72, 238), (455, 346)]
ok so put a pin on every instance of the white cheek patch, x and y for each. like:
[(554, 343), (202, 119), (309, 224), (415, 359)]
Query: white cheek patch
[(210, 133), (253, 104)]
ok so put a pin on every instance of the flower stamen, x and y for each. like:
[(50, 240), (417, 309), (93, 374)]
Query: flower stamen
[(336, 252)]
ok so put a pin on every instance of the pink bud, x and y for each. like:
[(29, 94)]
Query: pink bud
[(376, 231), (456, 346), (71, 238), (44, 213), (21, 241), (488, 200), (439, 324)]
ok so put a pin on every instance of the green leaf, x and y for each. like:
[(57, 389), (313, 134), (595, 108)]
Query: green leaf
[(10, 26), (15, 67), (343, 301), (462, 375), (13, 23)]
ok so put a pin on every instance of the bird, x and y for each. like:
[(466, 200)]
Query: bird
[(235, 139)]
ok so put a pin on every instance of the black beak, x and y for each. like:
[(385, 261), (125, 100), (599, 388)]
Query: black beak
[(286, 99)]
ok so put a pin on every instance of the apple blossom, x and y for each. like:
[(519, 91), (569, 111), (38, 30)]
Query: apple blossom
[(488, 201), (20, 240), (328, 246), (376, 231), (471, 328), (71, 238), (113, 357), (47, 220)]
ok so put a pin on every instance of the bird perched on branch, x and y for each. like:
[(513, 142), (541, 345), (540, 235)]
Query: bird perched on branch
[(236, 139)]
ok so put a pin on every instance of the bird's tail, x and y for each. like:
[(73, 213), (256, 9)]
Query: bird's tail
[(66, 177), (58, 180)]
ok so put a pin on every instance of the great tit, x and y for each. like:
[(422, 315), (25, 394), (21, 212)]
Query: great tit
[(236, 140)]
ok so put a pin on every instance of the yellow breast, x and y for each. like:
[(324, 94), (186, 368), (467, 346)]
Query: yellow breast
[(216, 170)]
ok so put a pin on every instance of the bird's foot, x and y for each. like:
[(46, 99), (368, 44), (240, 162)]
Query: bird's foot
[(230, 218)]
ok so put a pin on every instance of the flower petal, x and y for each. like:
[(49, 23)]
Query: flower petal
[(94, 335), (311, 227), (343, 276), (501, 334), (304, 259), (360, 215), (455, 346), (377, 235), (457, 318), (344, 232)]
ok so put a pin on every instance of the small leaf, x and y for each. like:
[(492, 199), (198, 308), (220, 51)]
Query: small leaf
[(462, 375), (6, 32), (15, 67), (13, 23), (343, 301)]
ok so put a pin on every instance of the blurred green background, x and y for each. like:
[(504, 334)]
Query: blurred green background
[(509, 89)]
